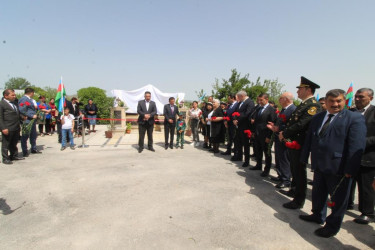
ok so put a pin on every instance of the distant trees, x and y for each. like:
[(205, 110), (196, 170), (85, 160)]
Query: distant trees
[(99, 97), (236, 82), (17, 83)]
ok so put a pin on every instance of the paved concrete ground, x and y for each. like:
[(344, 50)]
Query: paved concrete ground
[(108, 196)]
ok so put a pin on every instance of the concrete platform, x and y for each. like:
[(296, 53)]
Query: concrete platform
[(108, 196)]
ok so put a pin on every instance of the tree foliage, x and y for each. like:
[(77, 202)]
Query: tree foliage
[(236, 82), (17, 83), (99, 97)]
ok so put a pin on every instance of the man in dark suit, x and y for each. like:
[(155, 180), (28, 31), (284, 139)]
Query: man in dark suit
[(10, 127), (366, 173), (281, 152), (266, 113), (27, 109), (245, 108), (170, 113), (336, 139), (229, 124), (146, 110), (295, 130)]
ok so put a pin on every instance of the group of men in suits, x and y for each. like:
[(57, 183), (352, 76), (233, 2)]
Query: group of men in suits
[(335, 137), (13, 112)]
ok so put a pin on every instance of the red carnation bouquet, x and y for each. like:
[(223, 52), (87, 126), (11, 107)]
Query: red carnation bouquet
[(293, 145), (226, 118), (248, 133), (213, 118), (277, 111), (235, 115)]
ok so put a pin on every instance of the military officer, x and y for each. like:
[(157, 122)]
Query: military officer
[(295, 130)]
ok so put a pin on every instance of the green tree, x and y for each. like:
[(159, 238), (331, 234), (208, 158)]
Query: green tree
[(99, 97), (17, 83), (48, 92), (236, 83)]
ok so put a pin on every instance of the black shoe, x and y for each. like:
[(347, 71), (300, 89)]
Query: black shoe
[(17, 158), (182, 146), (264, 174), (324, 232), (226, 153), (289, 193), (171, 146), (151, 149), (25, 154), (256, 168), (292, 205), (35, 152), (166, 147), (7, 162), (282, 185), (233, 158), (311, 218), (245, 164), (363, 219), (63, 148), (140, 150), (275, 178), (211, 150)]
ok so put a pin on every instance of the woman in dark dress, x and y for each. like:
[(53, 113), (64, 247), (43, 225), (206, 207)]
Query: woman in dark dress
[(217, 126), (207, 110)]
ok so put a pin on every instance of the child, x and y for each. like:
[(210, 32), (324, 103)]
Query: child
[(67, 127), (180, 127)]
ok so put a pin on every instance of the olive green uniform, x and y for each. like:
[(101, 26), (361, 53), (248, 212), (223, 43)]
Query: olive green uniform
[(295, 130)]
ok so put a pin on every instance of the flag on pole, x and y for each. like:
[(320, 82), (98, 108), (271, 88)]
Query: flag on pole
[(317, 97), (60, 97), (349, 96)]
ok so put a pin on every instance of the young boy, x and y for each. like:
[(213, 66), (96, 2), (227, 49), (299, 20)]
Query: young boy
[(67, 127), (180, 127)]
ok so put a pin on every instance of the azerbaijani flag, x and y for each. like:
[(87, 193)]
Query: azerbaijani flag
[(349, 96), (60, 97)]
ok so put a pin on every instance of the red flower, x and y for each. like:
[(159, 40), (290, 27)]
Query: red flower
[(283, 117), (331, 203), (22, 104), (180, 124), (27, 103), (213, 118), (41, 106), (226, 118), (293, 145), (225, 113), (236, 114), (277, 111), (248, 132)]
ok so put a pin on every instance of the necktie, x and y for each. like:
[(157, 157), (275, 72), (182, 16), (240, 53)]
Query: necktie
[(326, 125), (260, 111), (282, 111)]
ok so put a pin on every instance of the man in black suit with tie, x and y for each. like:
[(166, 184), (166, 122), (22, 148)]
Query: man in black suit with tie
[(336, 139), (146, 110), (229, 124), (266, 113), (281, 152), (366, 173), (170, 113), (245, 108), (10, 127)]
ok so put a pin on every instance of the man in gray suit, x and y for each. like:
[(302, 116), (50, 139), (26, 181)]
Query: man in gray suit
[(146, 110), (170, 113), (10, 127)]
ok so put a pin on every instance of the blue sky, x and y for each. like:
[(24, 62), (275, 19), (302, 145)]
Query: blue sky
[(182, 46)]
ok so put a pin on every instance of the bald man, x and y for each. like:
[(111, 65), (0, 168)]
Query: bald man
[(281, 152)]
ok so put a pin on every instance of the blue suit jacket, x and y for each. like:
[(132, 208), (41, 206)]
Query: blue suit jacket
[(27, 110), (340, 149)]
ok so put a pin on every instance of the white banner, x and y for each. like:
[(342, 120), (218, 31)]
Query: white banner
[(131, 98)]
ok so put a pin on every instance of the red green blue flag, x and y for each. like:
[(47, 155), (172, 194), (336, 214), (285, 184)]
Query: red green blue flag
[(60, 97), (349, 96)]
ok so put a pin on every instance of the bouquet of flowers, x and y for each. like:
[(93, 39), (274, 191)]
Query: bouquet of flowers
[(282, 117), (235, 115), (292, 145), (248, 133), (226, 118)]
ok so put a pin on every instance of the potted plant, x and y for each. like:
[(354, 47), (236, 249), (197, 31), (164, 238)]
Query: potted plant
[(128, 128), (111, 127)]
